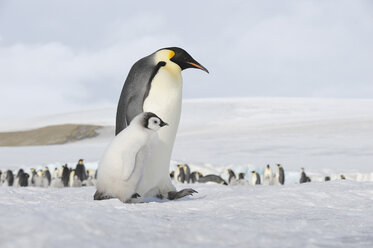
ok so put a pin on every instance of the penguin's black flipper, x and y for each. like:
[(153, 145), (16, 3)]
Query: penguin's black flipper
[(101, 196), (174, 195)]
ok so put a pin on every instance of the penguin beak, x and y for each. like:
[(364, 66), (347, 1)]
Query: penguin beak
[(163, 124), (197, 65)]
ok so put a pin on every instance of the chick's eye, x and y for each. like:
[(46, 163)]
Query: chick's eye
[(155, 122)]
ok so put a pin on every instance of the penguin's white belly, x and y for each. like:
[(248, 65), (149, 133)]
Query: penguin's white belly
[(164, 100)]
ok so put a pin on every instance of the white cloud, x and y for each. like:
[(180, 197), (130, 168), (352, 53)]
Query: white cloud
[(70, 58)]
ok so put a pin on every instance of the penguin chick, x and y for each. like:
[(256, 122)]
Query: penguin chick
[(255, 178), (121, 168)]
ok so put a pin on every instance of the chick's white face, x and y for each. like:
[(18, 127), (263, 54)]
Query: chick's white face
[(154, 123)]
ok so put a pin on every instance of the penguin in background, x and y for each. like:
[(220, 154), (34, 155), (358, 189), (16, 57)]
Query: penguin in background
[(327, 178), (16, 181), (194, 176), (187, 172), (241, 176), (304, 178), (23, 180), (231, 176), (268, 176), (80, 170), (48, 175), (74, 180), (212, 179), (56, 173), (154, 84), (32, 177), (172, 175), (1, 179), (40, 179), (343, 177), (280, 174), (127, 156), (9, 179), (65, 175), (181, 173), (255, 178)]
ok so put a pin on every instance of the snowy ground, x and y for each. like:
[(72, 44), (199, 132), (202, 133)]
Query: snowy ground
[(326, 136), (332, 214)]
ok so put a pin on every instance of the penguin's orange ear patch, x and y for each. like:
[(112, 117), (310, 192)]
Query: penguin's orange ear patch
[(171, 54)]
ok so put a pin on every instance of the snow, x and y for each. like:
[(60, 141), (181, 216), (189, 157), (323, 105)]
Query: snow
[(331, 214), (328, 137)]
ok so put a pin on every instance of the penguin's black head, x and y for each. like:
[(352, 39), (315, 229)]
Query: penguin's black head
[(180, 57), (152, 121), (241, 176), (268, 166)]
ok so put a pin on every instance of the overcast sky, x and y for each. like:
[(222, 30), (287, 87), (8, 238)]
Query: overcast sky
[(58, 56)]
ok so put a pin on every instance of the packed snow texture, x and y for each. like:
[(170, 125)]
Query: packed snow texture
[(328, 214)]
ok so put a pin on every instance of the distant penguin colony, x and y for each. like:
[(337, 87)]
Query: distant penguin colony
[(66, 175), (43, 178)]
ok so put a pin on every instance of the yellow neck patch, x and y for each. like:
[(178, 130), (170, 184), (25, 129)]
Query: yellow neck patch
[(171, 54)]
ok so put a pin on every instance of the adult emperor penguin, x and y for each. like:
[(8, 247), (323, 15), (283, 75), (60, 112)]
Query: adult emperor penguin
[(154, 84), (255, 178), (122, 166), (267, 177), (280, 174)]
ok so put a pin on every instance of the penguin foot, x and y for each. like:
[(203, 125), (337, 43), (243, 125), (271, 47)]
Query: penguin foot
[(101, 196), (174, 195)]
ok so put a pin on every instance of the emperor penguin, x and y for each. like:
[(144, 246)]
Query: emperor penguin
[(56, 173), (80, 170), (65, 175), (32, 177), (194, 176), (280, 174), (48, 175), (267, 177), (180, 175), (232, 176), (154, 84), (212, 179), (122, 166), (187, 172), (255, 178), (304, 178), (9, 178)]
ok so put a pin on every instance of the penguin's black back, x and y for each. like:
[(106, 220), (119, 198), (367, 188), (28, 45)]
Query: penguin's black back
[(232, 175), (257, 179), (48, 176), (281, 176), (181, 176), (80, 172), (212, 178), (303, 178), (10, 177), (20, 172), (65, 176), (23, 180)]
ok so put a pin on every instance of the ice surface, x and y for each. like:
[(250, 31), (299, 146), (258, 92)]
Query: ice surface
[(331, 214)]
